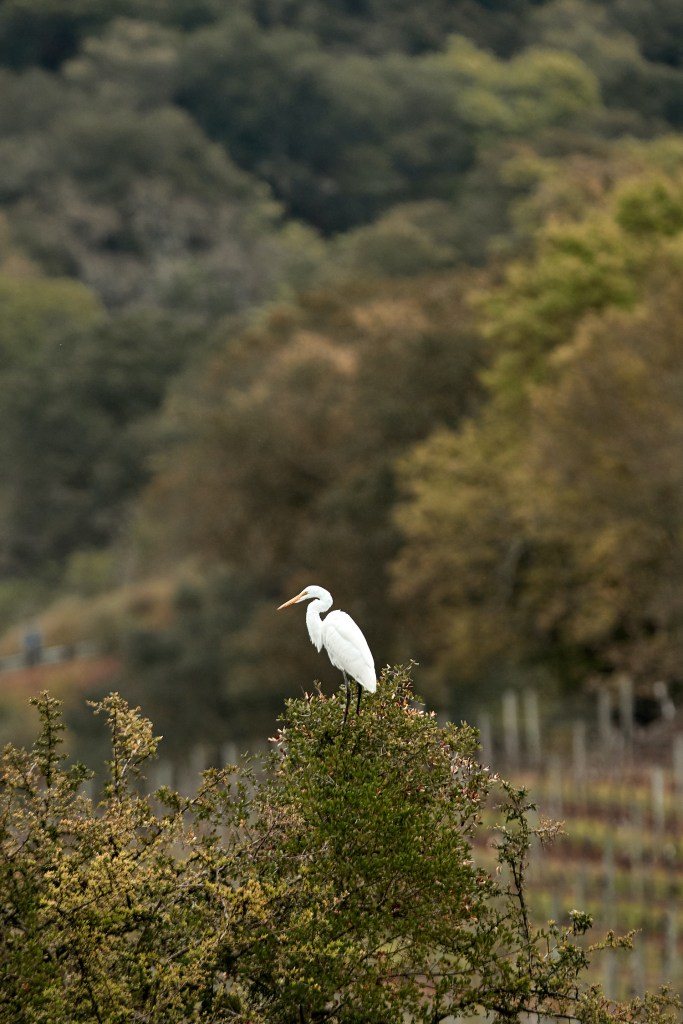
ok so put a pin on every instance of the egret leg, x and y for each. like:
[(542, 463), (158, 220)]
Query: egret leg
[(360, 694), (348, 698)]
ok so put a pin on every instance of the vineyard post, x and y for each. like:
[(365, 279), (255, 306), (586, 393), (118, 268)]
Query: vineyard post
[(678, 773), (670, 965), (532, 726), (605, 732), (580, 761), (657, 789), (229, 753), (555, 787), (160, 774), (638, 974), (609, 880), (510, 728), (579, 750), (609, 982), (626, 706), (190, 771), (485, 738), (636, 854)]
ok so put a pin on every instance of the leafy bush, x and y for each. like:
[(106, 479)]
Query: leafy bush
[(340, 882)]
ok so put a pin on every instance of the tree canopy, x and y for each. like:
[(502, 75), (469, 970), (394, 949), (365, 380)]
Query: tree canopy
[(533, 531)]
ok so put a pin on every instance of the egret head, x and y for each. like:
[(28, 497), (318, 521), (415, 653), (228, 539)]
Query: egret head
[(308, 594)]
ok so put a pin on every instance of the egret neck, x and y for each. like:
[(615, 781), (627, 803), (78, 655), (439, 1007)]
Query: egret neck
[(313, 620)]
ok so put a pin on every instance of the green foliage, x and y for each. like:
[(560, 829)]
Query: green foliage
[(411, 238), (42, 32), (523, 96), (347, 136), (603, 476), (657, 27), (100, 913), (634, 80), (579, 268), (545, 530), (341, 883), (133, 63), (195, 653), (138, 204), (105, 179), (46, 33), (388, 25), (77, 389), (35, 314), (651, 208), (339, 138), (282, 454)]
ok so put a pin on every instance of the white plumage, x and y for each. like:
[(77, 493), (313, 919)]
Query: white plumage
[(346, 646)]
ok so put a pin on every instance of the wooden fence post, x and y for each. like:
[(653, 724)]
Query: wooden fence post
[(638, 983), (579, 750), (510, 728), (188, 774), (605, 731), (485, 737), (677, 755), (658, 801), (609, 881), (637, 855), (554, 787), (626, 708), (160, 773), (670, 965), (532, 726), (609, 984), (229, 754)]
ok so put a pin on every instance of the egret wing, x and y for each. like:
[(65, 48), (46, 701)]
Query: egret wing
[(348, 649)]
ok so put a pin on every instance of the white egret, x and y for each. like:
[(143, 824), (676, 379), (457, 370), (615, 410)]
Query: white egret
[(346, 646)]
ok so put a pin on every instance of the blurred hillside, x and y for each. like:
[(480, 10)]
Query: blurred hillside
[(377, 295)]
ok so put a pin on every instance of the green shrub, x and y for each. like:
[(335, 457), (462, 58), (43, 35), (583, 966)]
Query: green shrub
[(337, 882)]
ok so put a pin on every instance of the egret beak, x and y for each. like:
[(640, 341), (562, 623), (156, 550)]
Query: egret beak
[(293, 600)]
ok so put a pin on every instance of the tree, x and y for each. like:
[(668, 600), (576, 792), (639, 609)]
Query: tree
[(601, 520), (543, 531), (280, 461), (339, 137), (411, 238), (343, 884), (46, 33), (612, 40), (658, 27), (142, 208), (78, 392), (523, 96), (377, 26), (132, 62), (43, 33), (185, 671), (104, 179)]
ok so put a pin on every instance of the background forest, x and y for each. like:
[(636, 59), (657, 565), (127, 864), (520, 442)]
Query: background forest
[(379, 295)]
